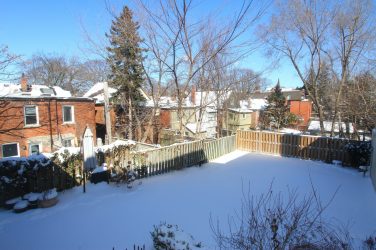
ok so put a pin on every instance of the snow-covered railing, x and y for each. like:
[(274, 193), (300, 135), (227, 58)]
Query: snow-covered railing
[(300, 146)]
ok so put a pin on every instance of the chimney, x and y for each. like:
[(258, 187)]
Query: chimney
[(24, 87), (193, 95)]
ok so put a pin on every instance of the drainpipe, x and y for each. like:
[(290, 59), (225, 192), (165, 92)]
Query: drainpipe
[(57, 121), (50, 121)]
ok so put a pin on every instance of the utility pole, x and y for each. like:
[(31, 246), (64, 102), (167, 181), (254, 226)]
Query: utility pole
[(107, 115)]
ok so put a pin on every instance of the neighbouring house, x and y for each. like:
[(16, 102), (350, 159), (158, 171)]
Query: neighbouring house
[(97, 93), (38, 118), (242, 118), (210, 109), (297, 101)]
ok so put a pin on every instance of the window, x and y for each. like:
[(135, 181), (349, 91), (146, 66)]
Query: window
[(34, 149), (31, 115), (68, 116), (67, 142), (10, 150)]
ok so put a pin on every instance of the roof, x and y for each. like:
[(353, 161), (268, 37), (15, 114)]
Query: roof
[(289, 94), (96, 92), (13, 92), (315, 126), (167, 102), (258, 104), (241, 110), (210, 98)]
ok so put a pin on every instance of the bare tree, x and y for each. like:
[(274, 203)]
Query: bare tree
[(359, 103), (7, 59), (298, 32), (183, 47), (316, 33), (69, 73), (353, 30)]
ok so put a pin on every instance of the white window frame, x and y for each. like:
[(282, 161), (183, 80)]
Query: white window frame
[(18, 150), (36, 112), (33, 144), (72, 114)]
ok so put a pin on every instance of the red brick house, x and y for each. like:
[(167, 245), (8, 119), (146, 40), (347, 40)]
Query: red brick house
[(37, 118), (297, 102)]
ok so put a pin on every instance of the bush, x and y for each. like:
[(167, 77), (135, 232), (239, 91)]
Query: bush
[(360, 153), (166, 236)]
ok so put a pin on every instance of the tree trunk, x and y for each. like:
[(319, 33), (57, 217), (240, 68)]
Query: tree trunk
[(130, 118)]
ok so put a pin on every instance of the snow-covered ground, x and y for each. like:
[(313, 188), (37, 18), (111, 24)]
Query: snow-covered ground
[(110, 216)]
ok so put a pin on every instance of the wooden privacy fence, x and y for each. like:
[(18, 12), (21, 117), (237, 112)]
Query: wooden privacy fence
[(300, 146), (178, 156)]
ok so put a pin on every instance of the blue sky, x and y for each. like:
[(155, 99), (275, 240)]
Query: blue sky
[(32, 26)]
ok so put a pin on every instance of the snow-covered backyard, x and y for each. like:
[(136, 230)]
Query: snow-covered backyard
[(110, 216)]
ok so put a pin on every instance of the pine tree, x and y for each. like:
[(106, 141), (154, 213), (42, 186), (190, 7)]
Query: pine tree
[(125, 60), (276, 113)]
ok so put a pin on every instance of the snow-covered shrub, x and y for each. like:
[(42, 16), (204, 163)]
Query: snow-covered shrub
[(68, 162), (360, 153), (38, 173), (166, 236), (19, 175)]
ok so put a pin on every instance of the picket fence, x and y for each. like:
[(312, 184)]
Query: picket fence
[(182, 155), (300, 146)]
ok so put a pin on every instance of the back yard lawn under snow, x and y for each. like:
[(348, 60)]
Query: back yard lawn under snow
[(110, 216)]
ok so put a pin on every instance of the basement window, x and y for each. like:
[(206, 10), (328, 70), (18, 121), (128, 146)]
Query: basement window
[(10, 150), (68, 114), (34, 149), (31, 115), (67, 142)]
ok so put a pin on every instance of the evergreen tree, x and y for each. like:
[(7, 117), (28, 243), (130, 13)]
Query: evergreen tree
[(125, 60), (276, 113)]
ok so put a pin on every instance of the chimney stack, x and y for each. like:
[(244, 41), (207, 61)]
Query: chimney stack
[(24, 87), (193, 95)]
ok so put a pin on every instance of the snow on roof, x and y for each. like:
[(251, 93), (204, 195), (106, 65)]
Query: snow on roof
[(14, 90), (315, 125), (168, 102), (258, 104), (241, 110), (210, 98), (96, 92), (193, 127)]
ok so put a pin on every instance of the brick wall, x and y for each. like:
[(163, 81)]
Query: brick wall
[(302, 109), (165, 118), (51, 129)]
